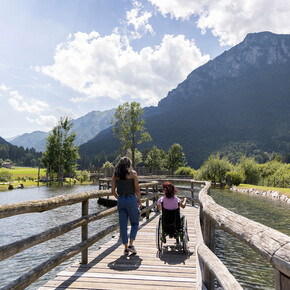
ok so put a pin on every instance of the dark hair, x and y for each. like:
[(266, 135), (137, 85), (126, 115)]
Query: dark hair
[(123, 167), (169, 189)]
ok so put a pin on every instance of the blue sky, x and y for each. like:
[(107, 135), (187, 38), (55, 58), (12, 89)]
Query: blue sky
[(70, 57)]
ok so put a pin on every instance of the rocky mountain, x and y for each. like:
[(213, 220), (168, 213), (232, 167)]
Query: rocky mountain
[(91, 124), (86, 127), (238, 101), (35, 139), (256, 51)]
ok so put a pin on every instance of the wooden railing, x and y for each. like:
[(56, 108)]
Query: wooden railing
[(272, 245), (9, 210)]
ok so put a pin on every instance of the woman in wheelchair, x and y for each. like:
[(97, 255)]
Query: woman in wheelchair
[(172, 223)]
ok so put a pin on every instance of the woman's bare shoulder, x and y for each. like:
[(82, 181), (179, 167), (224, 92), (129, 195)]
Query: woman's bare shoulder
[(134, 173)]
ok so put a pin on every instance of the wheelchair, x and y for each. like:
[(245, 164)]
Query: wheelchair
[(171, 224)]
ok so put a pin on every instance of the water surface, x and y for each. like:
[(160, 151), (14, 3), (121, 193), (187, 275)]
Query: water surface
[(22, 226)]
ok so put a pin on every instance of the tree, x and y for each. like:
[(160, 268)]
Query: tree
[(185, 171), (129, 127), (175, 157), (61, 154), (138, 156), (250, 170), (155, 158), (214, 168), (5, 176), (108, 167)]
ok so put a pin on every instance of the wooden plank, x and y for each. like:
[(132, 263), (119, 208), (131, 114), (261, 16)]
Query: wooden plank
[(126, 276), (89, 283), (108, 268)]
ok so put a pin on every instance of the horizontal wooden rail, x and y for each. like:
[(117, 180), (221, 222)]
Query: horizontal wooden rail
[(8, 210), (42, 205), (187, 188), (271, 244), (28, 278), (214, 264), (9, 250)]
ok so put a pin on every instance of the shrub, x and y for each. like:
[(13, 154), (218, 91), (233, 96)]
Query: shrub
[(214, 168), (184, 171), (236, 177), (5, 176), (108, 164), (83, 176), (250, 170)]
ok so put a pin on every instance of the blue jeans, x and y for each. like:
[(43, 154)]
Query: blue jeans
[(128, 207)]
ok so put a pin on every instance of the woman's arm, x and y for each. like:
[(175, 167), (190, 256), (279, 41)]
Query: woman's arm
[(113, 190), (183, 203), (137, 187)]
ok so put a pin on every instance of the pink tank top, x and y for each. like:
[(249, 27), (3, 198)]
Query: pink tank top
[(169, 203)]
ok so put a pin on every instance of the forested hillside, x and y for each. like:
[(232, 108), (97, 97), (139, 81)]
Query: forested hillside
[(18, 155)]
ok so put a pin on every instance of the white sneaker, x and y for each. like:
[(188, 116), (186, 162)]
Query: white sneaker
[(132, 249)]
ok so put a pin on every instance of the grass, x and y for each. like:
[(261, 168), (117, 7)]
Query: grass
[(27, 172), (285, 191)]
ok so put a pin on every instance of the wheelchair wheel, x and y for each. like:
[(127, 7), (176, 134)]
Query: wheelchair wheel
[(185, 237), (159, 242)]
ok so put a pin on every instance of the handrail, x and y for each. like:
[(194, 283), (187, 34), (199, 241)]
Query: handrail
[(217, 268), (271, 244), (11, 249), (8, 210)]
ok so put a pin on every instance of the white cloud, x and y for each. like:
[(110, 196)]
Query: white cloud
[(18, 103), (138, 18), (98, 66), (4, 88), (179, 9), (231, 20), (46, 121)]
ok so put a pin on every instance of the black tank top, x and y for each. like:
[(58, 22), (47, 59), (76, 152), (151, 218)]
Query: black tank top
[(125, 187)]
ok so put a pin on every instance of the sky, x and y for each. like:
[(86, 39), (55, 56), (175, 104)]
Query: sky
[(70, 57)]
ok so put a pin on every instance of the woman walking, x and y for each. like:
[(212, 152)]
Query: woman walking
[(128, 194)]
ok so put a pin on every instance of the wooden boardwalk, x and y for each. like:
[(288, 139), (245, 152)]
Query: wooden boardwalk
[(108, 268)]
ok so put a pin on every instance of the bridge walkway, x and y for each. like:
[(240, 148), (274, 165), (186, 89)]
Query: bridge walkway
[(108, 268)]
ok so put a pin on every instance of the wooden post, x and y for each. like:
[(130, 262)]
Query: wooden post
[(282, 282), (50, 175), (209, 240), (192, 194), (38, 173), (85, 211), (47, 170), (147, 204)]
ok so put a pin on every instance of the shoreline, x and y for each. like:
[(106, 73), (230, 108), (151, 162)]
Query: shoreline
[(273, 194)]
